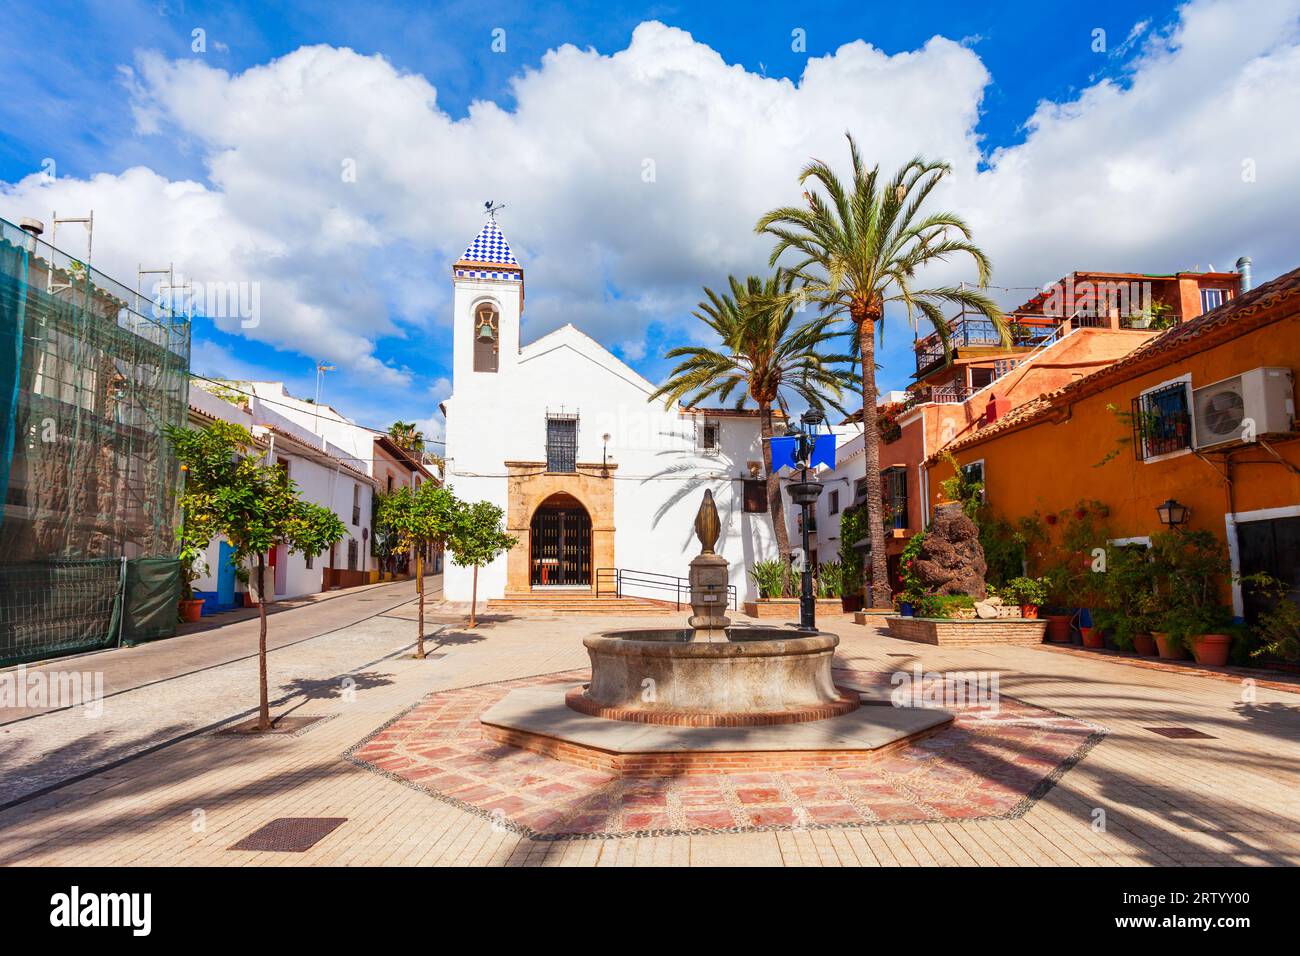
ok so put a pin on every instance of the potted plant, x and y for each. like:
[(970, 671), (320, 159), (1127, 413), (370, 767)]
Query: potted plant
[(769, 576), (1193, 565), (830, 579), (191, 555), (1029, 593), (1277, 628)]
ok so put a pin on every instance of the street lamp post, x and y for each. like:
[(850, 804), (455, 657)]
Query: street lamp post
[(805, 493)]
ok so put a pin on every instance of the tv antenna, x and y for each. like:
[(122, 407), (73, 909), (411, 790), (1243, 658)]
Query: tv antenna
[(491, 208)]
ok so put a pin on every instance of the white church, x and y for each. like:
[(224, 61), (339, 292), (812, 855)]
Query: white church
[(593, 477)]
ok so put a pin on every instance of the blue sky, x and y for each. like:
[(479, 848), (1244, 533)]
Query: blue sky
[(72, 91)]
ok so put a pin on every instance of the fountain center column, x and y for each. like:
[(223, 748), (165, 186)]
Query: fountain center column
[(708, 578)]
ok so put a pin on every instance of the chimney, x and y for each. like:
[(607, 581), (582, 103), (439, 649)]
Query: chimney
[(33, 228), (998, 406), (1243, 266)]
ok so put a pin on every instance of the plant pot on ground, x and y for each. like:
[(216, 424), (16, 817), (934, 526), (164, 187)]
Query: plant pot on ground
[(1058, 628), (1211, 649), (1092, 637), (1169, 646), (1144, 645), (191, 609)]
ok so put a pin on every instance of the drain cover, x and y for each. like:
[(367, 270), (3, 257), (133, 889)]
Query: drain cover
[(290, 834), (1180, 733)]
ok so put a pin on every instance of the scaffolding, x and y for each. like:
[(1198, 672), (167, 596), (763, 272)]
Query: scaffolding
[(90, 378)]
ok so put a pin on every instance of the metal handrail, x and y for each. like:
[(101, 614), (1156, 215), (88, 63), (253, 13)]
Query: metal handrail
[(616, 580)]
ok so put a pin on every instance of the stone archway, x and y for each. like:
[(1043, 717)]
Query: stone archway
[(560, 543), (530, 485)]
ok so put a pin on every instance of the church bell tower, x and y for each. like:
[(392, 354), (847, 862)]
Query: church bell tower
[(488, 303)]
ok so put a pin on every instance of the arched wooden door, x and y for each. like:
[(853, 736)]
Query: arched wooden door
[(560, 543)]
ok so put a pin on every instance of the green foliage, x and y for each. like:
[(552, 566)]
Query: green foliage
[(407, 436), (1278, 629), (1024, 591), (770, 577), (1190, 568), (913, 591), (476, 537), (252, 505), (413, 518), (1130, 597), (941, 605), (830, 579), (853, 528), (962, 489)]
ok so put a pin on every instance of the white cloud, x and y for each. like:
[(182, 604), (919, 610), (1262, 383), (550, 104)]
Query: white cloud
[(1144, 176)]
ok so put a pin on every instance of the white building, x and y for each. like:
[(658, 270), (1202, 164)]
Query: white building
[(592, 475), (325, 475)]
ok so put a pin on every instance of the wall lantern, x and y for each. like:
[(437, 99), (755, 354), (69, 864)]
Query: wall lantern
[(1172, 514)]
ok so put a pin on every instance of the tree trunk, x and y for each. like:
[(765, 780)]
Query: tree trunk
[(473, 600), (878, 594), (419, 587), (775, 501), (264, 705)]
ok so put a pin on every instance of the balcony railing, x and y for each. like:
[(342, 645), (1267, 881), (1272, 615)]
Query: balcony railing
[(967, 331), (942, 394)]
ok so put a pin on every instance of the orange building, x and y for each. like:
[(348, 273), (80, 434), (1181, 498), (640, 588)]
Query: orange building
[(1216, 399), (1072, 328)]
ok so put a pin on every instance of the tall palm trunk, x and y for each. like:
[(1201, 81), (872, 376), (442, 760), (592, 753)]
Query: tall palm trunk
[(878, 594), (775, 503), (419, 587), (264, 704)]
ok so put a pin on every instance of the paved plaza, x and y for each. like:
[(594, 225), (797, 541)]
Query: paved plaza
[(1066, 771)]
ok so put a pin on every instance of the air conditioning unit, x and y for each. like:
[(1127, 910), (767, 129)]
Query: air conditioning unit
[(1258, 402)]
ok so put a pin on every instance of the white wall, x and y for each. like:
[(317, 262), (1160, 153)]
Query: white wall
[(325, 482), (497, 417)]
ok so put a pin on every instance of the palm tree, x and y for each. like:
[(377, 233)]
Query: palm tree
[(766, 357), (407, 436), (860, 249)]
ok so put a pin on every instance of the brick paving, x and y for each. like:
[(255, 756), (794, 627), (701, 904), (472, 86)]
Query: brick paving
[(1135, 798), (985, 765)]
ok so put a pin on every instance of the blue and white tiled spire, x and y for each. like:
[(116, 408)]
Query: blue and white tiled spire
[(490, 246), (489, 257)]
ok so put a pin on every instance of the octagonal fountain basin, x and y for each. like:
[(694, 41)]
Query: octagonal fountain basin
[(756, 675)]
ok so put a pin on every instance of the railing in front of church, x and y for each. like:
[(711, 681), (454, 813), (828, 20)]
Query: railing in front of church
[(621, 582)]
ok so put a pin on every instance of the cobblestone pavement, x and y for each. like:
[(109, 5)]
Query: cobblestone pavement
[(1135, 798)]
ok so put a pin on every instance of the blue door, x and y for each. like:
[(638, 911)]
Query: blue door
[(225, 576)]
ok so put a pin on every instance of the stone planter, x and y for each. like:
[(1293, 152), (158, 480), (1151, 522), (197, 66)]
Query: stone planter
[(1212, 649), (950, 632), (788, 608)]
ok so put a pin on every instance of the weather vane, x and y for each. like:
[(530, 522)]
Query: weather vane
[(491, 208)]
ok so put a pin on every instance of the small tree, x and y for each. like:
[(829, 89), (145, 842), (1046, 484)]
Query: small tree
[(252, 505), (419, 518), (478, 539)]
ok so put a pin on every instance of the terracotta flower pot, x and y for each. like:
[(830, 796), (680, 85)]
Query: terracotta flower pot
[(1029, 610), (191, 610), (1058, 628), (1212, 649), (1092, 637), (1167, 649), (1144, 644), (248, 599)]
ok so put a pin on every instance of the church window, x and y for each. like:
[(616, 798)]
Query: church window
[(561, 442), (710, 437), (487, 337)]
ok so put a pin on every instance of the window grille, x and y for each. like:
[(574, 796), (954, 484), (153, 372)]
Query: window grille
[(561, 442), (1162, 422)]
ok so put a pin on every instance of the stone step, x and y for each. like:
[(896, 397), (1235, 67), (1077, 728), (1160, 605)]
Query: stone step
[(577, 603)]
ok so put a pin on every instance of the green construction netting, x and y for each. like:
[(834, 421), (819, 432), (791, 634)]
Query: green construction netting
[(90, 376)]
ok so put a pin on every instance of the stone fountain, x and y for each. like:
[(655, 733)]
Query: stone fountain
[(712, 674), (711, 697)]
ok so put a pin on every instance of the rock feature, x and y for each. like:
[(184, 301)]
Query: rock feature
[(951, 559)]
